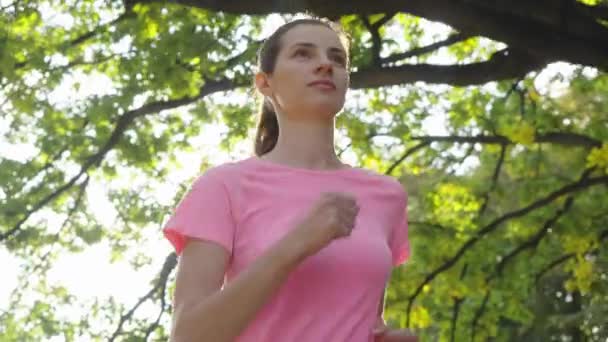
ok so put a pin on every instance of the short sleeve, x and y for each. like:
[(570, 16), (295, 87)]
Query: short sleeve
[(399, 242), (203, 213)]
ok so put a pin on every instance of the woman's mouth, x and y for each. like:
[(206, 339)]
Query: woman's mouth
[(323, 84)]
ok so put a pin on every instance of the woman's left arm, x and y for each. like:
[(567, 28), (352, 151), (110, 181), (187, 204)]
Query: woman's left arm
[(383, 333), (381, 304)]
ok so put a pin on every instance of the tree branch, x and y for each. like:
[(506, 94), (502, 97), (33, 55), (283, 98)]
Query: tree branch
[(122, 124), (81, 192), (86, 36), (502, 65), (452, 39), (486, 196), (580, 185), (376, 40), (533, 26), (455, 162), (11, 4), (168, 266), (531, 243), (553, 264), (478, 314), (407, 153), (374, 30), (602, 236), (434, 225), (569, 139), (456, 307), (163, 307), (559, 138), (30, 270), (61, 150), (536, 238), (599, 11)]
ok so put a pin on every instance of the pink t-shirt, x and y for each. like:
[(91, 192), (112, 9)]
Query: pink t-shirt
[(247, 205)]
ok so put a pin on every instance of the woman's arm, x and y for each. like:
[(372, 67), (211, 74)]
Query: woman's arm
[(202, 312), (383, 333), (381, 304)]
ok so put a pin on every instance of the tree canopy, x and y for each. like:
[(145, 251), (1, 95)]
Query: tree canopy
[(491, 113)]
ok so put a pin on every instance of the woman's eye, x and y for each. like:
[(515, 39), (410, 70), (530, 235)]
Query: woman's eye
[(301, 52), (340, 60)]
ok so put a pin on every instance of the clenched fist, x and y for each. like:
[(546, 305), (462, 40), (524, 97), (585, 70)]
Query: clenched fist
[(332, 216)]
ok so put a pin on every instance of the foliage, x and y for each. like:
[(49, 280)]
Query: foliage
[(507, 200)]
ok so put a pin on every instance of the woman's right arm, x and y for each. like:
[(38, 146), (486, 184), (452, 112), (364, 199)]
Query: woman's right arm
[(204, 313)]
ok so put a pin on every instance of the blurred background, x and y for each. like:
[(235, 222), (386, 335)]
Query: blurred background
[(493, 115)]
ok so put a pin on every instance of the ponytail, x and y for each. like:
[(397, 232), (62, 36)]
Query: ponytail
[(267, 132)]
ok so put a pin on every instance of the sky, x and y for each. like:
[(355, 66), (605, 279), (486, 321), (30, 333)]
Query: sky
[(89, 274)]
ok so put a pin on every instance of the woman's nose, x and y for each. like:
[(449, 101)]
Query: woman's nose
[(325, 65)]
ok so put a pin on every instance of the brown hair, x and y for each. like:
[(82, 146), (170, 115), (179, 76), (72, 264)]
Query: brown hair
[(267, 132)]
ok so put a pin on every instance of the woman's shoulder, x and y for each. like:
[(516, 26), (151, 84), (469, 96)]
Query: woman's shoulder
[(225, 172), (381, 178)]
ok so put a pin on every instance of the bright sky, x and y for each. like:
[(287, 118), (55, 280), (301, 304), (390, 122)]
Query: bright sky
[(89, 274)]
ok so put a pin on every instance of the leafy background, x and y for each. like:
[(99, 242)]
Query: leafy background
[(110, 109)]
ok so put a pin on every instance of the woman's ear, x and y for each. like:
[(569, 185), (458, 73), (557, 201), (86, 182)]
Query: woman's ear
[(262, 83)]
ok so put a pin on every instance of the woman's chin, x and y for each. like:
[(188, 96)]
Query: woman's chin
[(327, 112), (321, 109), (327, 108)]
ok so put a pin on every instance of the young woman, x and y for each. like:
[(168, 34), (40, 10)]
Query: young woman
[(290, 244)]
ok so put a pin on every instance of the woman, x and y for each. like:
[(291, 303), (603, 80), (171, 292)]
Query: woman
[(300, 244)]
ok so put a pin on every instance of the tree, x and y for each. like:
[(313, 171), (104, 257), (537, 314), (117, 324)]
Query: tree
[(508, 204)]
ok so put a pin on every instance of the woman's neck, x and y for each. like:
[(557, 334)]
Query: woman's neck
[(305, 145)]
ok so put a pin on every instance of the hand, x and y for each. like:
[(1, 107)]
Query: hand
[(383, 333), (332, 216)]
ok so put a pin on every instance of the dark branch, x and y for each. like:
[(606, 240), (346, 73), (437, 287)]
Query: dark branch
[(81, 61), (478, 315), (11, 4), (486, 196), (168, 266), (433, 225), (122, 124), (81, 191), (376, 40), (407, 153), (43, 262), (86, 36), (452, 39), (552, 265), (455, 313), (531, 243), (457, 306), (599, 11), (385, 19), (504, 64), (374, 30), (569, 139), (603, 235), (560, 138), (163, 308), (51, 161), (536, 238), (455, 162), (580, 185), (533, 26)]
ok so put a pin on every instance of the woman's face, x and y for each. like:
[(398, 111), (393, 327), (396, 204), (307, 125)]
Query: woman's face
[(310, 77)]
